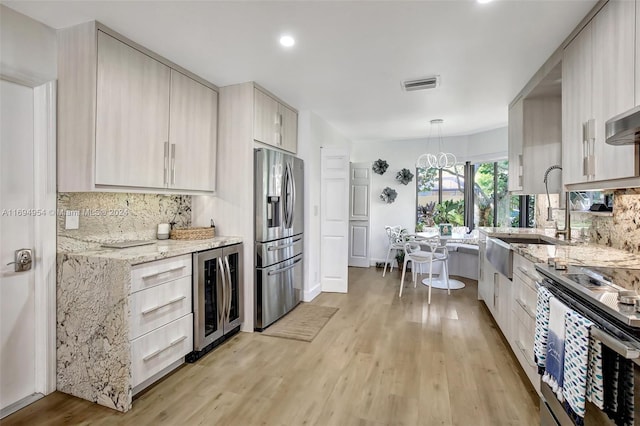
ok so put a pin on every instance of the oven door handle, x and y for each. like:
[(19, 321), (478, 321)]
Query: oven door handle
[(615, 344)]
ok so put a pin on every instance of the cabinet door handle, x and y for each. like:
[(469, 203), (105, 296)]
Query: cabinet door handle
[(177, 268), (525, 271), (173, 164), (159, 351), (524, 353), (170, 302), (166, 163), (526, 309)]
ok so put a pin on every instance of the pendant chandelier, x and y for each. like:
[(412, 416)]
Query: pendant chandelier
[(439, 160)]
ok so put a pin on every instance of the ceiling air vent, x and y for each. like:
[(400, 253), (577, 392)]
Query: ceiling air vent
[(421, 84)]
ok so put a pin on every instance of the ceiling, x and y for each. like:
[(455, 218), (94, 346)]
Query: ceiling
[(351, 56)]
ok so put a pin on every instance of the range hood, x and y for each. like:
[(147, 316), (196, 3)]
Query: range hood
[(624, 129)]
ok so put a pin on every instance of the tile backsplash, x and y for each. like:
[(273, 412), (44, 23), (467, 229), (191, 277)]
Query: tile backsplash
[(109, 217), (621, 230)]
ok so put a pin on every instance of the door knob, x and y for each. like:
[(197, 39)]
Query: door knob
[(23, 260)]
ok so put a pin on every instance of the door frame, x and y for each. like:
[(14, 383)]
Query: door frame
[(45, 250)]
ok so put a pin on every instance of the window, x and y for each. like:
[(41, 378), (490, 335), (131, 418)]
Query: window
[(493, 206), (440, 197)]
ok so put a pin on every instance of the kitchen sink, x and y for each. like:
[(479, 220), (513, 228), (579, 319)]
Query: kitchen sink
[(525, 240)]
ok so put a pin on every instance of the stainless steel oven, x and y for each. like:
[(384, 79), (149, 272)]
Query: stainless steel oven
[(590, 292)]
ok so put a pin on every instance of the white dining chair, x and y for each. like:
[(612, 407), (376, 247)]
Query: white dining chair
[(396, 242), (416, 254)]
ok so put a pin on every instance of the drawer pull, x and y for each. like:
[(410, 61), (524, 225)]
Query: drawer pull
[(526, 309), (177, 268), (524, 353), (170, 302), (525, 271), (159, 351)]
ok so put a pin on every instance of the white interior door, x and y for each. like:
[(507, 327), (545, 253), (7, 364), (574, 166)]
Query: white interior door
[(27, 219), (334, 219), (360, 178)]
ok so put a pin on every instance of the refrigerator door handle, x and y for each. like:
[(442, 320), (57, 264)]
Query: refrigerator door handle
[(293, 196), (222, 305), (285, 200), (289, 194)]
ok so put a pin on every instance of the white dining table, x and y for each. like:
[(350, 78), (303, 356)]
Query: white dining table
[(440, 282)]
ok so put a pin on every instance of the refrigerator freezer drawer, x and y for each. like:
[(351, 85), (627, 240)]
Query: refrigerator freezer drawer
[(278, 290), (278, 251)]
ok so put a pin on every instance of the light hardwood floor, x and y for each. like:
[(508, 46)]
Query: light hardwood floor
[(379, 361)]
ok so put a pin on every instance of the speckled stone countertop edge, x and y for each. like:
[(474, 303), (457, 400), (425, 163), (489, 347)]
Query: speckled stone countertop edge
[(160, 249), (576, 252)]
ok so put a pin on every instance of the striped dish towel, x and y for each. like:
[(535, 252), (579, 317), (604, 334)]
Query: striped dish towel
[(542, 328), (595, 388), (554, 369), (576, 361)]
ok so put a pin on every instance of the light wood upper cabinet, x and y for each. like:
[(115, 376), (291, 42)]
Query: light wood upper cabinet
[(576, 105), (613, 83), (289, 129), (132, 116), (266, 126), (598, 83), (542, 144), (516, 140), (192, 135), (274, 123), (129, 120), (535, 139), (637, 55)]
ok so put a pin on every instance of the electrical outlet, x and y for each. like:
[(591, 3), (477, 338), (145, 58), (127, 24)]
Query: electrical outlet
[(72, 219)]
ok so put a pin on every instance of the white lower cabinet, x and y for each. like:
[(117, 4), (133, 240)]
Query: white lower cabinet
[(160, 348), (512, 304), (161, 318), (524, 316), (159, 305)]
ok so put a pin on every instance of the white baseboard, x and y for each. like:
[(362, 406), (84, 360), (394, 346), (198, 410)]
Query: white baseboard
[(309, 295)]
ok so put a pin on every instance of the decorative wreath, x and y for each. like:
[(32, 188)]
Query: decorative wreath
[(404, 176), (380, 166), (388, 195)]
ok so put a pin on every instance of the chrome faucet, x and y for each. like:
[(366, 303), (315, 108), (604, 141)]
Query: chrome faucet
[(546, 186), (566, 232)]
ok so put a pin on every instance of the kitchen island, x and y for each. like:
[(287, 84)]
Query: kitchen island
[(94, 286)]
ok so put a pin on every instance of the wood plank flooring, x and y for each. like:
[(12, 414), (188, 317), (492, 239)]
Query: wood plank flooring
[(380, 360)]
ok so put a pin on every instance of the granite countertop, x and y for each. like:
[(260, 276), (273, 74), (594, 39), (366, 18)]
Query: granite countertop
[(160, 249), (579, 255), (575, 252)]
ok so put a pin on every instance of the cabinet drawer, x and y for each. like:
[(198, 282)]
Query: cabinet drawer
[(159, 305), (156, 350), (525, 296), (526, 270), (147, 275)]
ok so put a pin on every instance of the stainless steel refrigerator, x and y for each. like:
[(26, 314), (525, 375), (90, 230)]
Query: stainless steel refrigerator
[(279, 215)]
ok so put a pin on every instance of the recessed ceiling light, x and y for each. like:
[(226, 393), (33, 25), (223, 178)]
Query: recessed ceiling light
[(484, 1), (287, 41)]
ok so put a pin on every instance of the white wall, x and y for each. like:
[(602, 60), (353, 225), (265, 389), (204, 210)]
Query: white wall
[(486, 146), (27, 47), (313, 133)]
